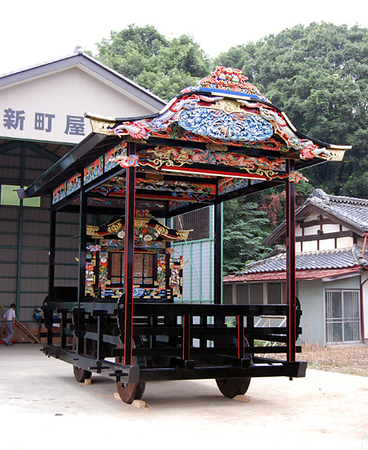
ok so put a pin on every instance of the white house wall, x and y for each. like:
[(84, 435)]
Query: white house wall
[(327, 244), (310, 246), (345, 283), (364, 293), (311, 231), (313, 317), (330, 228), (312, 296), (324, 244), (345, 242), (69, 93)]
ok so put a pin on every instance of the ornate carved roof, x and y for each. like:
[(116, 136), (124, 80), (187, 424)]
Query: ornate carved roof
[(213, 142), (223, 110)]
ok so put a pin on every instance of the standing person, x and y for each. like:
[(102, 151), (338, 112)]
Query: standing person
[(9, 318)]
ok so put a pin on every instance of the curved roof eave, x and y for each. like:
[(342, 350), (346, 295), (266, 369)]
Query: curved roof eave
[(223, 114), (246, 118)]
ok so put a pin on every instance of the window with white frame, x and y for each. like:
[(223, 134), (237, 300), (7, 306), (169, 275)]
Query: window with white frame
[(343, 316)]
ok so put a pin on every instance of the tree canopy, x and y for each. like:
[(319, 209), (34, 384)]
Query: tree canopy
[(318, 75), (145, 56), (245, 227)]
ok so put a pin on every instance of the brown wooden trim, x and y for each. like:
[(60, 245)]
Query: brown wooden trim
[(320, 237), (314, 223), (277, 236)]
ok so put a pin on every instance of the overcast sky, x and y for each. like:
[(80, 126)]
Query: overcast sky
[(36, 31)]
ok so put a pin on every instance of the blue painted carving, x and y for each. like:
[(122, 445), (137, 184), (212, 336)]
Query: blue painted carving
[(228, 127)]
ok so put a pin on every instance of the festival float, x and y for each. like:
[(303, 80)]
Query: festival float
[(128, 319)]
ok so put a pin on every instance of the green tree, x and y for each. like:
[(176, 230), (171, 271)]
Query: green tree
[(161, 65), (318, 75), (245, 227), (272, 201)]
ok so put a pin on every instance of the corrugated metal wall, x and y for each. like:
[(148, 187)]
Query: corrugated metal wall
[(198, 272), (24, 238), (24, 244), (198, 256), (67, 234)]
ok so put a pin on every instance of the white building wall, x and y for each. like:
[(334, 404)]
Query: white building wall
[(330, 228), (311, 231), (345, 242), (310, 246), (69, 93), (298, 231), (327, 244), (353, 282), (364, 293), (310, 294)]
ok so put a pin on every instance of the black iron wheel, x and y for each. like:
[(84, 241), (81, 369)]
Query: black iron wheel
[(81, 375), (130, 391), (230, 387), (139, 390)]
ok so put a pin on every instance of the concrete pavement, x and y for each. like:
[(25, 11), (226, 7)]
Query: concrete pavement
[(41, 403)]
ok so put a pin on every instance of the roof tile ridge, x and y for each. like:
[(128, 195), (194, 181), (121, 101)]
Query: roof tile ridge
[(358, 256), (325, 251), (348, 200), (336, 209), (319, 196)]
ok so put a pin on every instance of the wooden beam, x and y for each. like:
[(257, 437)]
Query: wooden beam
[(320, 237), (290, 264), (129, 258)]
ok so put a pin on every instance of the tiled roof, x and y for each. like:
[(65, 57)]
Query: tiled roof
[(349, 209), (299, 275), (351, 212), (323, 259)]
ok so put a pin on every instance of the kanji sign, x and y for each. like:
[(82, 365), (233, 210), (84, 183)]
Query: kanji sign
[(45, 122)]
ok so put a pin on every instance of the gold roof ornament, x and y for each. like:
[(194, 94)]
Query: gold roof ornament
[(145, 226)]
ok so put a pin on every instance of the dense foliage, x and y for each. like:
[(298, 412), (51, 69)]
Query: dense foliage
[(145, 56), (317, 74), (245, 227)]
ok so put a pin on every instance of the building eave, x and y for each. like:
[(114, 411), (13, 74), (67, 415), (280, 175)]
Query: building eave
[(277, 235), (90, 65), (300, 275)]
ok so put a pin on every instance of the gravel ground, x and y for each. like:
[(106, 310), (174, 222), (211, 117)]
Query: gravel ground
[(348, 359)]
